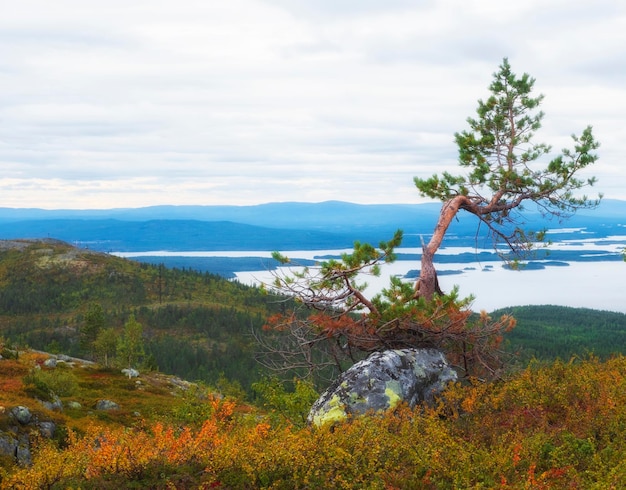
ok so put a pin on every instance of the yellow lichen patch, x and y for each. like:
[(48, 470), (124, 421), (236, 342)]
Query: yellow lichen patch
[(335, 413), (356, 398), (393, 392)]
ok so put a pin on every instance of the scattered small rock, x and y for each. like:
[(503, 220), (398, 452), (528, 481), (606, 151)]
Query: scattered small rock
[(47, 429), (180, 383), (50, 362), (130, 372), (21, 414), (107, 405), (56, 405)]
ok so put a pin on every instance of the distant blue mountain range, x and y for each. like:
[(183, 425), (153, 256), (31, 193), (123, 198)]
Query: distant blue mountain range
[(273, 226)]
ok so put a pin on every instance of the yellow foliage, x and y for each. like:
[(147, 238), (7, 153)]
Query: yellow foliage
[(547, 427)]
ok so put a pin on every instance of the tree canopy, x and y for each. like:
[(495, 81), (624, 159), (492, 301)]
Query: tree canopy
[(505, 169)]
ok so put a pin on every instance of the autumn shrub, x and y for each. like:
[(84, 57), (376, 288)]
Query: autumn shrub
[(7, 353), (552, 426), (197, 404), (6, 349), (399, 450), (558, 426), (12, 376), (132, 456)]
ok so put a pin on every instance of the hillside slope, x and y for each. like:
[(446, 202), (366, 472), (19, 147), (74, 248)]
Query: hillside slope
[(196, 325), (199, 325)]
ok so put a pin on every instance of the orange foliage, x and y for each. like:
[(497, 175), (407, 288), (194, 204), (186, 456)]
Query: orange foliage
[(547, 427), (8, 385), (279, 322), (11, 367), (118, 451)]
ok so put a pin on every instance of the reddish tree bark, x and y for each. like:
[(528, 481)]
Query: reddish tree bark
[(428, 284)]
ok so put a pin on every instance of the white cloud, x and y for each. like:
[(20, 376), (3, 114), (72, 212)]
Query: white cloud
[(117, 103)]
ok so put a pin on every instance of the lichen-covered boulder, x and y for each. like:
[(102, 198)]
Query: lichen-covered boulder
[(55, 404), (381, 382)]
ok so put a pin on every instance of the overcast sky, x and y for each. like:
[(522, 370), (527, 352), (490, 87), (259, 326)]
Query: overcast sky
[(128, 103)]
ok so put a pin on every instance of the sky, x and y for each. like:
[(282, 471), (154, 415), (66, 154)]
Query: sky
[(118, 103)]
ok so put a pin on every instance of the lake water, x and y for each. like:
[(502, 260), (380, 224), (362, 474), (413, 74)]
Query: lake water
[(597, 284)]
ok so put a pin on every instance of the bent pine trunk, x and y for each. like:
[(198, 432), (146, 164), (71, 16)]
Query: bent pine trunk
[(427, 284)]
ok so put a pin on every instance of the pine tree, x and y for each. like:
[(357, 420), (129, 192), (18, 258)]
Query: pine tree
[(93, 324), (505, 170)]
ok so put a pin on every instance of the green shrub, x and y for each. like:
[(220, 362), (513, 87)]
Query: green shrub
[(290, 406), (45, 384)]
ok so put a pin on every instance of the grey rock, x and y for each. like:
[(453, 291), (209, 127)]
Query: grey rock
[(47, 429), (180, 383), (51, 362), (74, 405), (21, 414), (107, 405), (8, 444), (383, 381), (130, 372), (17, 448), (23, 454), (56, 405)]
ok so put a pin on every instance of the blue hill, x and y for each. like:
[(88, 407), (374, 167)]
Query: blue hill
[(272, 226), (172, 235)]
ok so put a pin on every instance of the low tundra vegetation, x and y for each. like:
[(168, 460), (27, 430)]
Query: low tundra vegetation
[(548, 426)]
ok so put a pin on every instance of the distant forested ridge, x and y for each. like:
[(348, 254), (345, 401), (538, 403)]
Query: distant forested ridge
[(548, 332)]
